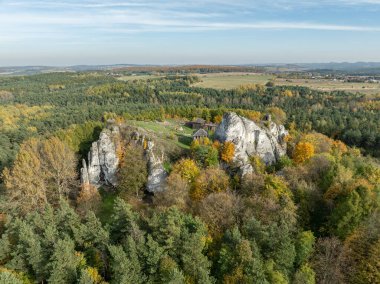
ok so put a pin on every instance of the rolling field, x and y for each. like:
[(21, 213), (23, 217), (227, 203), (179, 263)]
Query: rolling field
[(330, 85), (233, 80), (138, 77)]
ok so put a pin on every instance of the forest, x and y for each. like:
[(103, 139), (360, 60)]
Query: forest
[(312, 217)]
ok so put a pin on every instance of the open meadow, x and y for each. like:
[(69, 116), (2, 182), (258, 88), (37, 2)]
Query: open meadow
[(233, 80)]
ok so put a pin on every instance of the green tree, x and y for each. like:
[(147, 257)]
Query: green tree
[(125, 266), (133, 172), (304, 247), (64, 262), (7, 277), (304, 275), (205, 155), (169, 272), (239, 261), (351, 210)]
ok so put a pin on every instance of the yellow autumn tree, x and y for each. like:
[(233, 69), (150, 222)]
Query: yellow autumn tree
[(320, 142), (278, 115), (216, 144), (187, 169), (195, 144), (209, 181), (287, 93), (43, 172), (218, 119), (303, 152), (25, 183), (227, 152)]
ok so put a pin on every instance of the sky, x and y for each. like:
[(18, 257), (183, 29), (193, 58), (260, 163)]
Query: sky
[(68, 32)]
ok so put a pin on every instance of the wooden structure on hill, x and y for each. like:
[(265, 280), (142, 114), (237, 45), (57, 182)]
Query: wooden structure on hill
[(200, 123), (200, 134)]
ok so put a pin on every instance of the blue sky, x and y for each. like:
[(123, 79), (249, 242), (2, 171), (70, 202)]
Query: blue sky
[(67, 32)]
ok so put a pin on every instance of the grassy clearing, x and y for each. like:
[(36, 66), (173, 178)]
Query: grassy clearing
[(330, 85), (231, 80), (167, 130), (234, 80)]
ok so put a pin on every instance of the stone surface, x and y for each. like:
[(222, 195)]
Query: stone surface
[(102, 160), (250, 139), (85, 181), (156, 172)]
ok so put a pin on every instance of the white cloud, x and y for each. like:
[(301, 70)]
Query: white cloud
[(149, 16)]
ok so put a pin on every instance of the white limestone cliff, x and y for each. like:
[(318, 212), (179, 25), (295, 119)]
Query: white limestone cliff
[(156, 172), (102, 161), (250, 139)]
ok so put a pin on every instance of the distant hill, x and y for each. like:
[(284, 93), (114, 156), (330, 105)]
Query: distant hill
[(30, 70), (357, 68)]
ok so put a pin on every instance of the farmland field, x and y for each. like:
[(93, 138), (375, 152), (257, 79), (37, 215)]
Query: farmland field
[(137, 77), (330, 85), (233, 80)]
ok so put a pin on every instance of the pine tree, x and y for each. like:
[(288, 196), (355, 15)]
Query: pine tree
[(64, 262), (125, 266)]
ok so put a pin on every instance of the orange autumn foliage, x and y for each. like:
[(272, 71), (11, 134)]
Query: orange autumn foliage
[(303, 152), (227, 152), (218, 119), (340, 147)]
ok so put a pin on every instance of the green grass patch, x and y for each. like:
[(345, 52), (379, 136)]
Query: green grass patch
[(167, 130), (231, 80)]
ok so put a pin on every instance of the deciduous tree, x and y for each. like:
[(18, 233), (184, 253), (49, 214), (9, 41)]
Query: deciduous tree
[(227, 152), (303, 152)]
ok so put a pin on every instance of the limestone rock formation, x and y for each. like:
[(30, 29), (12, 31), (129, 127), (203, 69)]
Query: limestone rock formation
[(84, 179), (156, 172), (102, 160), (250, 139)]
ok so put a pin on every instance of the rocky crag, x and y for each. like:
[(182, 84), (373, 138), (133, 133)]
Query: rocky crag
[(156, 173), (103, 162), (250, 139)]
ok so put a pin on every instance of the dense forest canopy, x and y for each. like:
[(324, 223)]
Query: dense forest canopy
[(312, 217), (45, 103)]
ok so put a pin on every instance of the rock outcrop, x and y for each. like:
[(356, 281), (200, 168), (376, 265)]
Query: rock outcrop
[(156, 172), (102, 160), (250, 139)]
